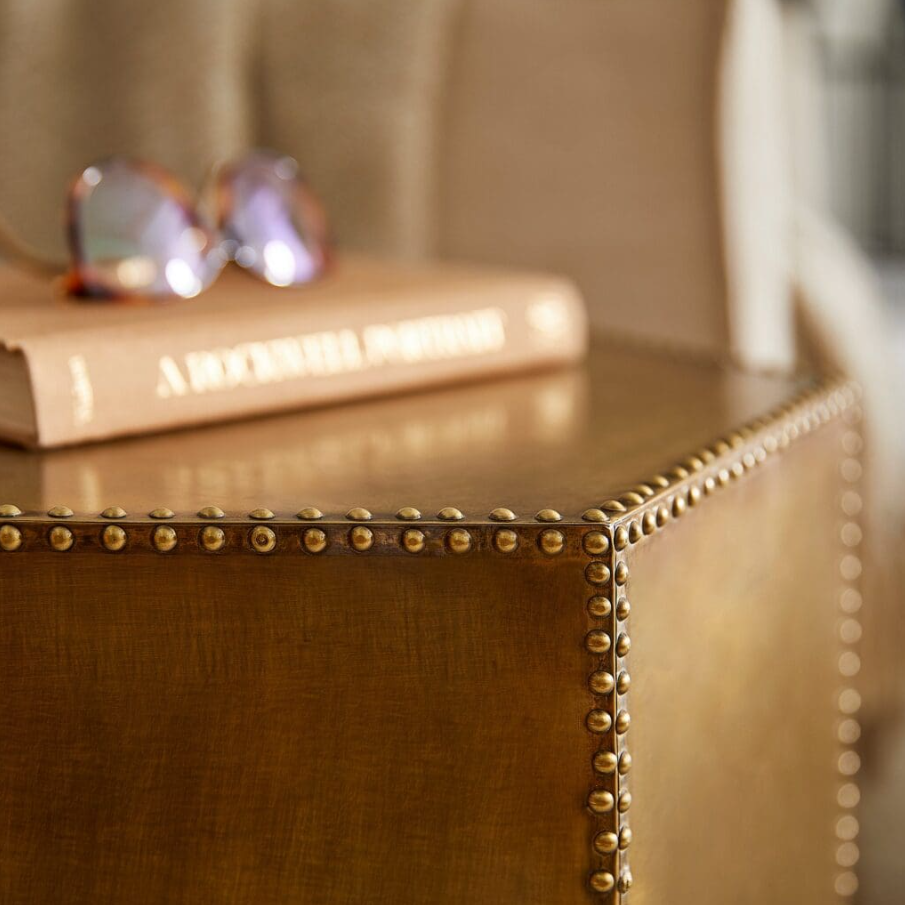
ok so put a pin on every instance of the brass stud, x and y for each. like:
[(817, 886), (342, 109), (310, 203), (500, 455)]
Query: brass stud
[(599, 721), (694, 495), (505, 541), (114, 512), (847, 854), (10, 538), (211, 512), (623, 645), (358, 514), (596, 543), (314, 540), (623, 682), (458, 541), (620, 538), (849, 664), (680, 473), (413, 540), (552, 541), (850, 567), (625, 802), (850, 631), (621, 573), (623, 721), (602, 881), (9, 510), (849, 763), (850, 601), (848, 796), (502, 515), (261, 514), (625, 763), (361, 538), (848, 732), (678, 506), (263, 539), (605, 762), (450, 514), (635, 532), (631, 498), (161, 513), (662, 516), (693, 463), (606, 843), (846, 885), (597, 641), (597, 573), (644, 489), (849, 701), (164, 539), (709, 485), (625, 838), (212, 538), (706, 455), (548, 515), (625, 882), (113, 538), (408, 514), (847, 828), (600, 801), (723, 477), (600, 607), (748, 460), (309, 514), (594, 515), (60, 512), (601, 682), (623, 609), (612, 506), (649, 522), (61, 539), (659, 481)]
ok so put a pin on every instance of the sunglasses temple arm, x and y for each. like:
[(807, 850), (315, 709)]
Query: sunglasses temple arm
[(15, 251)]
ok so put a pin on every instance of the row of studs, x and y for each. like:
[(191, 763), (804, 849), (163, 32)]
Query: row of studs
[(645, 507), (308, 514), (263, 539), (650, 506), (848, 729), (608, 798)]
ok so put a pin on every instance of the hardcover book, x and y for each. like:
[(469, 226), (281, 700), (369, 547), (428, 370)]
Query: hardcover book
[(78, 371)]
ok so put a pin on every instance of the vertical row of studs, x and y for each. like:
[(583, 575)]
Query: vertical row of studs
[(622, 720), (849, 701), (607, 799)]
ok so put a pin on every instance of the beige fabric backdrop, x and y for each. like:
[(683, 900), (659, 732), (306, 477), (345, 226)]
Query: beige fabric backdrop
[(572, 135)]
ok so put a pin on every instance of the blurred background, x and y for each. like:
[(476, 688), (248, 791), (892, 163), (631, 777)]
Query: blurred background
[(725, 177)]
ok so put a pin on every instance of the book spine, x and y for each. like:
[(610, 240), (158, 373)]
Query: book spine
[(91, 385)]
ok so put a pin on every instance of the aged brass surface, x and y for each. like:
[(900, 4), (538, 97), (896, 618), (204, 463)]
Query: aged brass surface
[(440, 713), (734, 736)]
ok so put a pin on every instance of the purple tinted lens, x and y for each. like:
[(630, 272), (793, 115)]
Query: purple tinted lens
[(134, 233), (271, 221)]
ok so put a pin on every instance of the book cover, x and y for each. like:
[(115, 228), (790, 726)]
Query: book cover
[(78, 371)]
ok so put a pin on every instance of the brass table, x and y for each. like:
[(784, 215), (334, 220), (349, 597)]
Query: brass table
[(542, 640)]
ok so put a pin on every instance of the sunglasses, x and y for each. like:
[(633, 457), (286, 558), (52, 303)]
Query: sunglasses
[(134, 231)]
